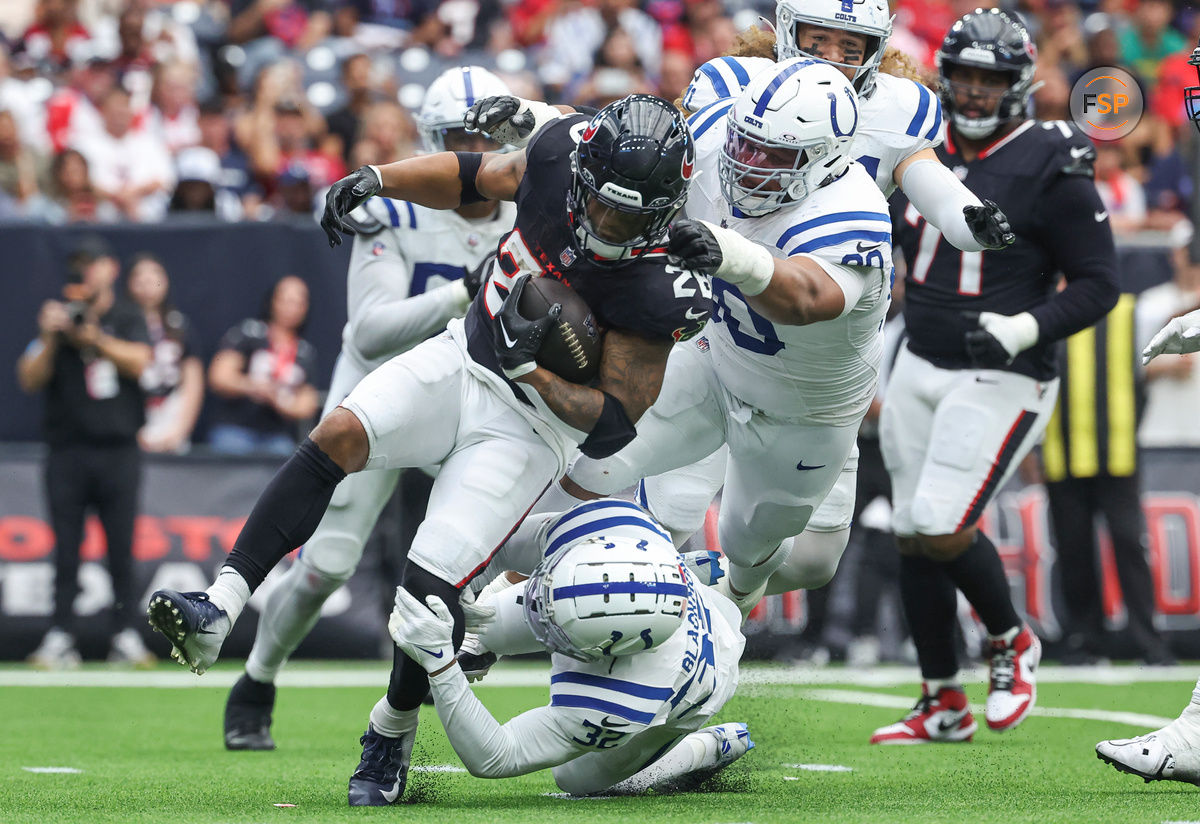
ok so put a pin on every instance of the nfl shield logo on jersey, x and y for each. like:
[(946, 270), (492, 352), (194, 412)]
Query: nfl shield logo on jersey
[(567, 256), (377, 248)]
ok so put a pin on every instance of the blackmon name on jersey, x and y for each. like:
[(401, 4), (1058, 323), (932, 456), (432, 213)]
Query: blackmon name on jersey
[(649, 296), (943, 282)]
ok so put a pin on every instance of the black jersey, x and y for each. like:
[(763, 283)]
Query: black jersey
[(649, 296), (1041, 176)]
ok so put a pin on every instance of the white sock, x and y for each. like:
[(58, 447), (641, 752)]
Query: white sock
[(936, 685), (391, 722), (746, 579), (290, 613), (1007, 637), (230, 592), (554, 499), (696, 751)]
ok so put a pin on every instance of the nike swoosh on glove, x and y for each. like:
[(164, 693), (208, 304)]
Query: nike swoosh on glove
[(424, 632), (344, 197), (998, 338), (1180, 336), (516, 339), (989, 225)]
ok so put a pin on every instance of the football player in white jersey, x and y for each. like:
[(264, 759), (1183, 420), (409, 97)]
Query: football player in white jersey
[(798, 239), (900, 125), (411, 271), (635, 679)]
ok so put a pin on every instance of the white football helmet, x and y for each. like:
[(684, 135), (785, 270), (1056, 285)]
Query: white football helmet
[(788, 134), (607, 596), (871, 18), (448, 98)]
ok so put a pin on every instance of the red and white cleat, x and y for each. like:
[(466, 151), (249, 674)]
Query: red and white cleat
[(1012, 679), (941, 718)]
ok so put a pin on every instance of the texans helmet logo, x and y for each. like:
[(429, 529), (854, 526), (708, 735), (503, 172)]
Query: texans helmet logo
[(688, 164), (589, 132)]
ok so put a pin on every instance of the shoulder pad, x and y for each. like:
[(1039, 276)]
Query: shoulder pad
[(1071, 151), (721, 77), (904, 107)]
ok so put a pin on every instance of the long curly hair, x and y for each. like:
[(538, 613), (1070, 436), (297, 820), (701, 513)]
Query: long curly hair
[(758, 42)]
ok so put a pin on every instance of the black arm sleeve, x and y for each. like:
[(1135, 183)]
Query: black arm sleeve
[(1081, 247), (613, 430), (468, 170)]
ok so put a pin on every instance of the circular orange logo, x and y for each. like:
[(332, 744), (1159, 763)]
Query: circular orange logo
[(1106, 103)]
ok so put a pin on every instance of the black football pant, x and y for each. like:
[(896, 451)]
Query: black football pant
[(1074, 505), (104, 479)]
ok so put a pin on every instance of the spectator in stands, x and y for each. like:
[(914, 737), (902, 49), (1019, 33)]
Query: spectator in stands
[(1172, 383), (293, 193), (23, 173), (1150, 38), (1061, 41), (73, 112), (197, 173), (262, 377), (573, 38), (1052, 100), (268, 29), (356, 85), (56, 39), (29, 111), (388, 134), (134, 55), (129, 167), (175, 117), (72, 198), (616, 72), (90, 351), (173, 381), (237, 195), (1121, 192)]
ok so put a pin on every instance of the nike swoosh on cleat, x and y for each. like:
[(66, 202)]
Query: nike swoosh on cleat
[(437, 654), (943, 726), (391, 795)]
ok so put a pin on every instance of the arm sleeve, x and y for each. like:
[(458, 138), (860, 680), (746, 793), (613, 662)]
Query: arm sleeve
[(1081, 247), (940, 198), (532, 741), (385, 320), (509, 633)]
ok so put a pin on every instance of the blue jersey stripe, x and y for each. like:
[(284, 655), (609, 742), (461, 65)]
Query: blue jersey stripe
[(610, 707), (714, 76), (614, 684), (833, 217), (914, 127), (598, 526), (603, 503), (834, 240), (391, 210), (937, 121), (412, 215), (620, 588), (719, 111), (761, 106), (468, 88), (739, 71)]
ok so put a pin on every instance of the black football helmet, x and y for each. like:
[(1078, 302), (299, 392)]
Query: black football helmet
[(993, 41), (630, 173), (1191, 95)]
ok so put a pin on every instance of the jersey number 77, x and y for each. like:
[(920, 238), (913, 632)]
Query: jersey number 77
[(970, 267)]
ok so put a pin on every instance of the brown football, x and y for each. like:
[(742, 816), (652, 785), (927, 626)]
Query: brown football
[(572, 346)]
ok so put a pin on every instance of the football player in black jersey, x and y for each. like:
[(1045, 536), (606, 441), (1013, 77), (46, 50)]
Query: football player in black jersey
[(594, 199), (973, 389), (1171, 753)]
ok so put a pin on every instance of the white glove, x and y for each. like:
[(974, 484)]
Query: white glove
[(508, 119), (999, 338), (424, 635), (477, 608), (1179, 337)]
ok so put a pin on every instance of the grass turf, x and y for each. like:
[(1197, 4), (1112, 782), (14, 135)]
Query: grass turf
[(155, 755)]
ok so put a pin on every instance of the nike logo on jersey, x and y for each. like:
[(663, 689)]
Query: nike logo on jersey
[(985, 380), (437, 654), (866, 247), (1100, 216), (1080, 151), (509, 342), (692, 314), (804, 468), (607, 721)]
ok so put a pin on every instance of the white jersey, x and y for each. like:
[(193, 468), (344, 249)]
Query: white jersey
[(416, 253), (899, 119), (824, 372)]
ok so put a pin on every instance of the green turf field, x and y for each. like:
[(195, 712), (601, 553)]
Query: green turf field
[(154, 754)]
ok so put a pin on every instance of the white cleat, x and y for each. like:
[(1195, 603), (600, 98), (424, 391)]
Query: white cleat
[(1156, 756)]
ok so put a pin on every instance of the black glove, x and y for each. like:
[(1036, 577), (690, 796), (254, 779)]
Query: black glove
[(490, 113), (343, 198), (983, 350), (695, 246), (517, 339), (989, 225), (476, 277)]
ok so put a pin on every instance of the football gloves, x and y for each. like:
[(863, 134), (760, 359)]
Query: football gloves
[(695, 245), (507, 119), (423, 632), (344, 197), (989, 225), (1179, 337), (994, 340), (712, 250), (517, 340)]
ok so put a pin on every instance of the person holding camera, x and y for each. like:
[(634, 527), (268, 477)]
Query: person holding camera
[(90, 351)]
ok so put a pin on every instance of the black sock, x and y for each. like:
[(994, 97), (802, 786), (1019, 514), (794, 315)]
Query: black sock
[(286, 514), (930, 606), (409, 682), (979, 573)]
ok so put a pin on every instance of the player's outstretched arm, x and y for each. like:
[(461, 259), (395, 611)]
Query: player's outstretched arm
[(795, 291), (445, 180), (951, 207)]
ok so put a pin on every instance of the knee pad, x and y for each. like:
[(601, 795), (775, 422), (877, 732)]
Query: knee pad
[(314, 581), (813, 562), (743, 537)]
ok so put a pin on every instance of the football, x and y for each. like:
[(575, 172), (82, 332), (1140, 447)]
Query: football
[(571, 349)]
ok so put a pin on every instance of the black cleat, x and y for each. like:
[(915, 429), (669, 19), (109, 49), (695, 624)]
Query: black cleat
[(248, 715), (383, 770)]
